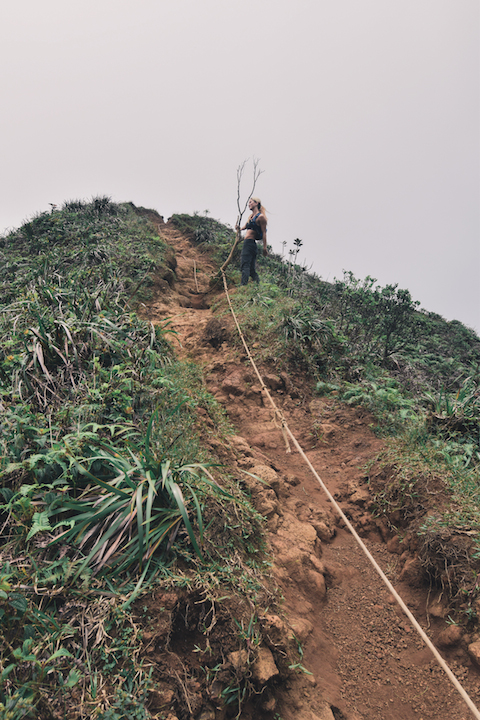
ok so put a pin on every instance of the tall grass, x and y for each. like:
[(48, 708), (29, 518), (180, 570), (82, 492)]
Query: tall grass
[(105, 484)]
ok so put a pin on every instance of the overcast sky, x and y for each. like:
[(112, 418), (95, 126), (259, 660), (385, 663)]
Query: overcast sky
[(364, 115)]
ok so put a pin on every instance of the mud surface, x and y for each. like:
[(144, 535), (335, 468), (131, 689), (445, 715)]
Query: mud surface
[(366, 661)]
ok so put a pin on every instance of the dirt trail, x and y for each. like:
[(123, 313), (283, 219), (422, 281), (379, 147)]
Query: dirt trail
[(367, 663)]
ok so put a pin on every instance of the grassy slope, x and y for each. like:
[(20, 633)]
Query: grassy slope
[(418, 374), (92, 395), (107, 488)]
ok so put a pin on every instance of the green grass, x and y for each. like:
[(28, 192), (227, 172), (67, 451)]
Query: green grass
[(418, 375), (106, 486)]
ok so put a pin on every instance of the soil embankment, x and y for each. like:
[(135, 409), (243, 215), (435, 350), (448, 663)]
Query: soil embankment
[(367, 663)]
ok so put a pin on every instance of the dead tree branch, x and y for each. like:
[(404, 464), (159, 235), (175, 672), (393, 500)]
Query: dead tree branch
[(256, 174)]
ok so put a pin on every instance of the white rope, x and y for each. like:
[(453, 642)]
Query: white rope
[(195, 274), (348, 524)]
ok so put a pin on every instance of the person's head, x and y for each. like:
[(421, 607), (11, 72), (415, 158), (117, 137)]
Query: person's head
[(255, 205)]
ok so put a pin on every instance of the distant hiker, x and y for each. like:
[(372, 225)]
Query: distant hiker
[(256, 227)]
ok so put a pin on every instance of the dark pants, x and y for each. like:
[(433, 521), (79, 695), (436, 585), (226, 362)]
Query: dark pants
[(249, 255)]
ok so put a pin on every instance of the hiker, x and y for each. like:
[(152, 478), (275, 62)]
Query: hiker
[(256, 227)]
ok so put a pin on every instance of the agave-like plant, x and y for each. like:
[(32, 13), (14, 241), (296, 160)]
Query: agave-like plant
[(463, 407), (119, 522)]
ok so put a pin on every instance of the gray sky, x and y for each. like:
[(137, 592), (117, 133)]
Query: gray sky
[(364, 115)]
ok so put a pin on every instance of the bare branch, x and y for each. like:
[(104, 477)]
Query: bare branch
[(256, 174)]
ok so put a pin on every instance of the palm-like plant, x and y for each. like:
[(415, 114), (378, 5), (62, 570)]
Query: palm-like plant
[(130, 509)]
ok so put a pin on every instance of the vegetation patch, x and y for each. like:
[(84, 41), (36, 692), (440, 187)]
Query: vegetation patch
[(371, 346), (107, 492)]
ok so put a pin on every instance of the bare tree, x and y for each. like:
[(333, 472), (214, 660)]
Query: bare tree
[(256, 174)]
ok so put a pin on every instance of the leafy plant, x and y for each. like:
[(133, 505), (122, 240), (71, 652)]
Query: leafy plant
[(130, 508), (379, 321)]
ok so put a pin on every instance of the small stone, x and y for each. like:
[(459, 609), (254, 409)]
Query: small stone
[(324, 532), (239, 443), (273, 382), (474, 652), (301, 628), (265, 473), (207, 714), (393, 545), (239, 659), (412, 572), (436, 609), (450, 636), (161, 698), (264, 668), (318, 582), (234, 384), (317, 564), (269, 705), (272, 523)]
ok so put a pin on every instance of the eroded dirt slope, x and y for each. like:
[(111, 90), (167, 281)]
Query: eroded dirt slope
[(366, 662)]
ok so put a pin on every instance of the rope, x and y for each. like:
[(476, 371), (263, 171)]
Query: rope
[(195, 274), (286, 430)]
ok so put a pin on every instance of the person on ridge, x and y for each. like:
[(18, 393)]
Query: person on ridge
[(256, 227)]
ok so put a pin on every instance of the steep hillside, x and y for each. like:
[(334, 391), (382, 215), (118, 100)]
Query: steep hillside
[(229, 587)]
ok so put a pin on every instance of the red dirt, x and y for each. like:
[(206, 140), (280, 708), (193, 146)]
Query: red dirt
[(367, 662)]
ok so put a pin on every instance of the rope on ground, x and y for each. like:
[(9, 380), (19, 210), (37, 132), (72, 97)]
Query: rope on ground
[(287, 432), (195, 274)]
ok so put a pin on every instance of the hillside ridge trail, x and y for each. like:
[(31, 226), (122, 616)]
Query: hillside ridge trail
[(367, 662)]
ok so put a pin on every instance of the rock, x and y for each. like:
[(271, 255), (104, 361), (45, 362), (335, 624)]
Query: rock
[(265, 473), (215, 333), (274, 628), (450, 636), (184, 301), (266, 503), (412, 572), (327, 431), (273, 382), (303, 534), (359, 495), (234, 383), (317, 564), (318, 582), (160, 698), (239, 659), (286, 381), (393, 545), (273, 522), (324, 532), (474, 652), (316, 406), (264, 668), (436, 609), (255, 393), (301, 628), (239, 443), (269, 704), (207, 714)]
